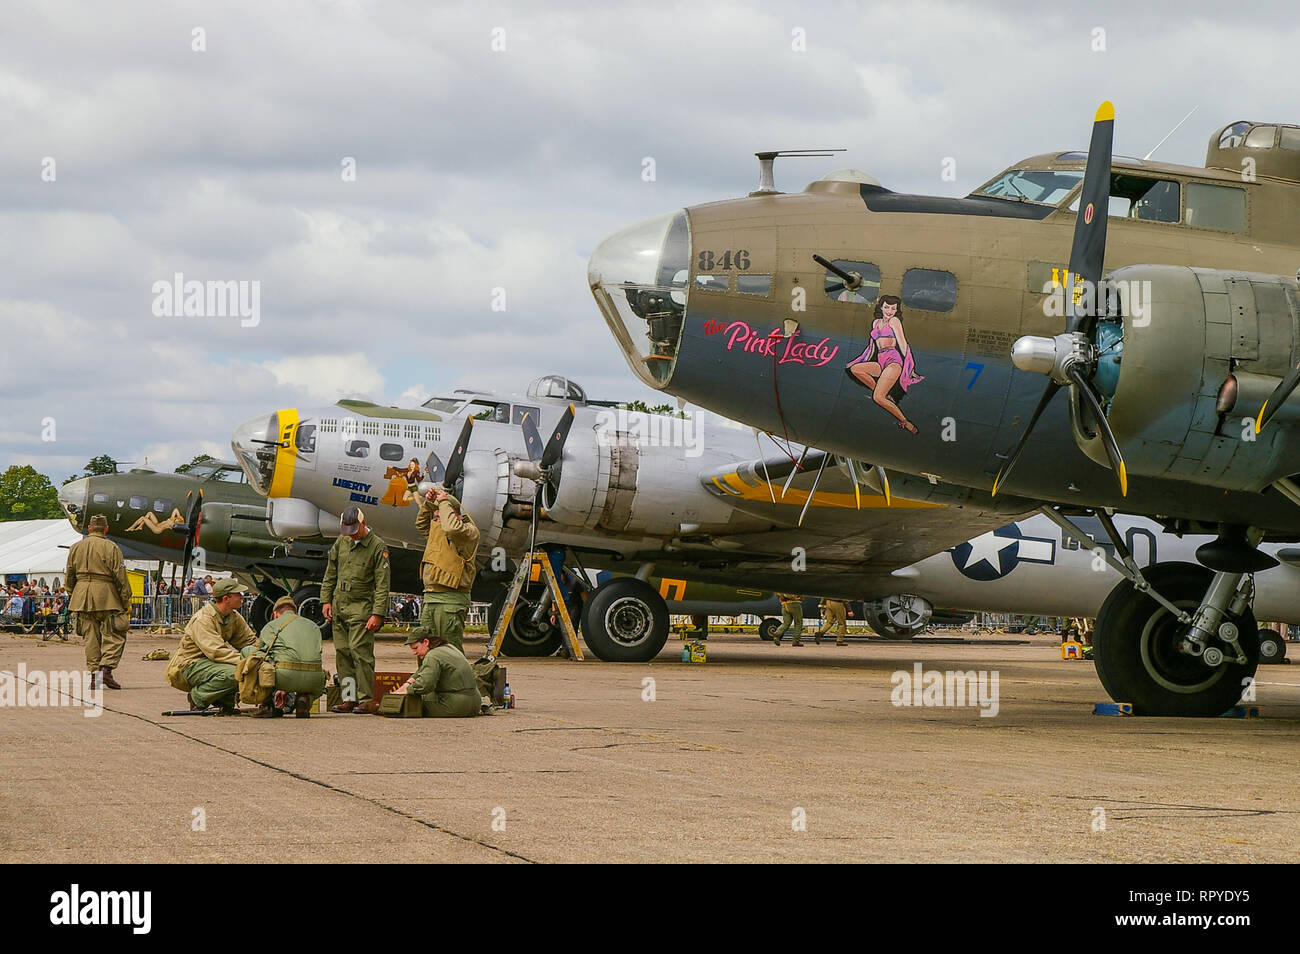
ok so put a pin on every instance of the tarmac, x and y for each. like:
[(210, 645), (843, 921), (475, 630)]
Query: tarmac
[(760, 754)]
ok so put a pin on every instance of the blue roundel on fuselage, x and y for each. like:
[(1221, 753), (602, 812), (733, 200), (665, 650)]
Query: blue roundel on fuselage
[(989, 556)]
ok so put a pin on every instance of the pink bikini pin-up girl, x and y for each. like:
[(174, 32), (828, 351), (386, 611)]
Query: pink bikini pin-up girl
[(886, 366)]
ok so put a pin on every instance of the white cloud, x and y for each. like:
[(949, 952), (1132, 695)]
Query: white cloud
[(327, 377)]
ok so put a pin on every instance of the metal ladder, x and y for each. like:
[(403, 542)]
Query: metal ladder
[(512, 600)]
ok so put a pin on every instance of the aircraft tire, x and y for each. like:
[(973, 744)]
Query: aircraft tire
[(767, 628), (522, 637), (1272, 647), (625, 620), (1135, 649), (309, 607)]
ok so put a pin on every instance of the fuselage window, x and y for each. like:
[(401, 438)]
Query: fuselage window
[(1148, 200), (521, 410), (99, 498), (162, 506), (713, 282), (754, 284), (929, 290), (1216, 207), (391, 452), (357, 448), (1290, 138), (305, 440), (138, 503), (866, 293)]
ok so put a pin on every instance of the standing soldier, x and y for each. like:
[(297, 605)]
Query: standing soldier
[(96, 575), (791, 618), (448, 566), (834, 621), (357, 580)]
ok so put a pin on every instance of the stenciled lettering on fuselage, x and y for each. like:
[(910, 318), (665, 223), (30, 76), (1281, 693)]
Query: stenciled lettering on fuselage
[(358, 490), (993, 555), (740, 336)]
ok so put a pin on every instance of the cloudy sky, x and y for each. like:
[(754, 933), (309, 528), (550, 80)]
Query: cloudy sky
[(216, 140)]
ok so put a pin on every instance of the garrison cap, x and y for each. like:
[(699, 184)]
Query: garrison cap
[(417, 634), (226, 587), (98, 522), (284, 602), (351, 519)]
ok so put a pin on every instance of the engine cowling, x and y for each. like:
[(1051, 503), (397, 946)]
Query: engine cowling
[(1185, 369)]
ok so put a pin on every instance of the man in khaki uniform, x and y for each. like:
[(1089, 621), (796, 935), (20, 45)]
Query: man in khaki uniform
[(445, 680), (834, 620), (448, 566), (292, 644), (791, 618), (96, 575), (209, 650), (354, 594)]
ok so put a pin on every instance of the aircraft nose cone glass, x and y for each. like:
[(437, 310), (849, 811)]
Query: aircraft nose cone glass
[(254, 443), (639, 279), (72, 498)]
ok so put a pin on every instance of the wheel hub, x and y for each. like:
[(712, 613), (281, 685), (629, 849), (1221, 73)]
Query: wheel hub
[(628, 621)]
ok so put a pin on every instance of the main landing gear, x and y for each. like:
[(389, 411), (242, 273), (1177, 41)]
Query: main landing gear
[(1177, 639)]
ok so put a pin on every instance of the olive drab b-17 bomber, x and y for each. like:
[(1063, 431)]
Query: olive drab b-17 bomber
[(931, 335), (687, 498), (206, 519)]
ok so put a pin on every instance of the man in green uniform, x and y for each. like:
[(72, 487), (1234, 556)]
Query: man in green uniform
[(292, 644), (448, 566), (209, 650), (445, 680), (354, 595), (834, 621), (791, 618), (96, 575)]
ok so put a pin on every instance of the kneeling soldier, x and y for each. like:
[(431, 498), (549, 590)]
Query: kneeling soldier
[(210, 648), (445, 678), (292, 644)]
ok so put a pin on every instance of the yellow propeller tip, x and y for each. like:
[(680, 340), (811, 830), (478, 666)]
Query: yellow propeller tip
[(1123, 480), (1259, 420), (1105, 112)]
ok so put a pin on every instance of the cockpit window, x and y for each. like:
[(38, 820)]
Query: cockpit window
[(443, 405), (1232, 137), (556, 386), (1149, 200), (1261, 137), (1290, 138), (1033, 185)]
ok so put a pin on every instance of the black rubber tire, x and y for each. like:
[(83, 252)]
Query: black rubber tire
[(309, 607), (1272, 647), (259, 614), (635, 612), (767, 628), (522, 638), (1135, 649)]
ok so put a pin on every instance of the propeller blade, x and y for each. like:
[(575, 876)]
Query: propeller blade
[(884, 483), (853, 476), (555, 446), (767, 478), (1089, 247), (1048, 393), (532, 439), (794, 470), (816, 480), (434, 470), (193, 507), (1277, 398), (1102, 427), (456, 463)]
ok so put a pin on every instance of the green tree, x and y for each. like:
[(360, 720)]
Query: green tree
[(103, 464), (665, 410), (201, 459), (26, 494)]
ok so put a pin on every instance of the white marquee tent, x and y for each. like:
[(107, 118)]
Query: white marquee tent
[(36, 548)]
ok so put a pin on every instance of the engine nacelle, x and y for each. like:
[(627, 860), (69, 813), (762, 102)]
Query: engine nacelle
[(293, 517), (1186, 368), (224, 529)]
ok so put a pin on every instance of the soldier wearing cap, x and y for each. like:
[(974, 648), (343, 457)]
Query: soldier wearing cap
[(101, 593), (354, 595), (445, 680), (210, 648), (448, 566), (292, 644)]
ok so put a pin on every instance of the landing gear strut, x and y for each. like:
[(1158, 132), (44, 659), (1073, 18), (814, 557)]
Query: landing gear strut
[(1175, 639)]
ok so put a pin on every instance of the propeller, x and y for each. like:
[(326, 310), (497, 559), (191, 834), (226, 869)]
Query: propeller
[(544, 461), (1277, 398), (193, 510), (453, 471), (1070, 358)]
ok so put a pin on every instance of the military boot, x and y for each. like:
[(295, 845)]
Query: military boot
[(106, 675)]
